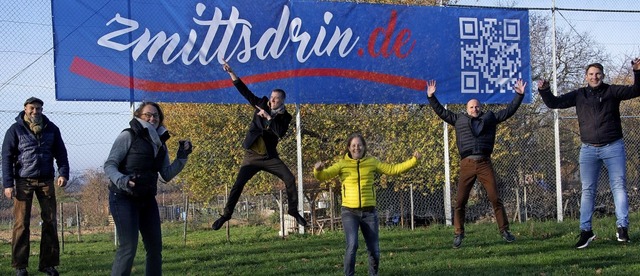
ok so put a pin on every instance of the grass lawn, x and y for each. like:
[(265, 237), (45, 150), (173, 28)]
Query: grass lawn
[(541, 248)]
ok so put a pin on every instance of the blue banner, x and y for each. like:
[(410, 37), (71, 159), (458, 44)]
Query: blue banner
[(318, 52)]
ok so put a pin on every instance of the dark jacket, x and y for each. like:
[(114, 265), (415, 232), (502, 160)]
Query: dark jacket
[(598, 109), (467, 141), (140, 162), (26, 155), (272, 131)]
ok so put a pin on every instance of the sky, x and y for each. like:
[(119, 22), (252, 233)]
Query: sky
[(614, 31), (89, 128)]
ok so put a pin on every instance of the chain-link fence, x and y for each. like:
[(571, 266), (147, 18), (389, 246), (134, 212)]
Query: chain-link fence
[(524, 158)]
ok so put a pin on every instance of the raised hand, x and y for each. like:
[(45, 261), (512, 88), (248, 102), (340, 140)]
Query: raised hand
[(543, 84), (417, 154), (184, 148), (431, 88), (227, 68), (636, 64), (519, 87), (319, 165)]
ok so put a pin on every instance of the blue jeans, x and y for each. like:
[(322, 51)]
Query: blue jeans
[(614, 157), (367, 220), (132, 215)]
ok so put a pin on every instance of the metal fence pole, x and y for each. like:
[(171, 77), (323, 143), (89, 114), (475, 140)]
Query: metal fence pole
[(447, 176), (556, 119), (412, 207), (61, 220), (78, 221), (186, 219), (299, 159)]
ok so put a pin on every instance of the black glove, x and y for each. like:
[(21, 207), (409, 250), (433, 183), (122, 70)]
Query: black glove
[(545, 85), (183, 153)]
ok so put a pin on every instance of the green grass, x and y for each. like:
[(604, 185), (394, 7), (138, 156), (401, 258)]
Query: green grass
[(541, 248)]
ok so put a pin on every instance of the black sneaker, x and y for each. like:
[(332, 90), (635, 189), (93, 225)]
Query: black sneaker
[(299, 219), (457, 241), (622, 234), (50, 271), (21, 272), (585, 238), (219, 222), (506, 235)]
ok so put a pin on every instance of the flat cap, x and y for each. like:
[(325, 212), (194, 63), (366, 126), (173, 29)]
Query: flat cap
[(33, 100)]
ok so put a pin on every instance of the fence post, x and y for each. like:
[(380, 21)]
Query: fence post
[(300, 206), (524, 191), (517, 214), (61, 220), (282, 230), (78, 221), (411, 200), (226, 196), (331, 210), (447, 176), (556, 119), (246, 204), (186, 218)]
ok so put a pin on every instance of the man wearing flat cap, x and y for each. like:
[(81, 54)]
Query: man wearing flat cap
[(30, 146)]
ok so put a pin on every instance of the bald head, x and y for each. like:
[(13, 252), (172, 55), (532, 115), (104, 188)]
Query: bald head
[(474, 108)]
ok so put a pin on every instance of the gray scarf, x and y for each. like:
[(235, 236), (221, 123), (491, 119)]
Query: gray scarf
[(279, 110), (153, 133)]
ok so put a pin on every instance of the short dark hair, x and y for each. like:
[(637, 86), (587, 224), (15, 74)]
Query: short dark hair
[(596, 65), (284, 94), (138, 112), (354, 136)]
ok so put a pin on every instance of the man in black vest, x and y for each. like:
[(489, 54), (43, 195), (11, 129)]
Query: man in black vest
[(475, 137), (270, 123)]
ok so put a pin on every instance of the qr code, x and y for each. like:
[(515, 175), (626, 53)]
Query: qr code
[(490, 54)]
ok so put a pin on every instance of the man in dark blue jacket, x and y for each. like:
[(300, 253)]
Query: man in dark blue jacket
[(30, 146), (475, 137), (270, 123), (598, 109)]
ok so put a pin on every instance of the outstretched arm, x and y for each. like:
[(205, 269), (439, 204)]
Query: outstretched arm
[(322, 172), (630, 92), (442, 112), (511, 109), (240, 86), (228, 69), (399, 168), (551, 101)]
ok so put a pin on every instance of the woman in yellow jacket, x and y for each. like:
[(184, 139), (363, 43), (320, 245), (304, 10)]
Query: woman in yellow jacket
[(357, 174)]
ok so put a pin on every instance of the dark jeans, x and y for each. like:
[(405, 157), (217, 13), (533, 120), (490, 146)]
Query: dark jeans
[(22, 202), (366, 219), (482, 170), (132, 215), (251, 165)]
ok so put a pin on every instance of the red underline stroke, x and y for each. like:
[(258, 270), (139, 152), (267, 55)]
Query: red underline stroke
[(98, 73)]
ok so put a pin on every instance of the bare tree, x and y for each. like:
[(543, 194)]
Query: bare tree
[(94, 201)]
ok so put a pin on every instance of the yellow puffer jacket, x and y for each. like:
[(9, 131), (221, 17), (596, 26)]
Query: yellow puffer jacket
[(357, 178)]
